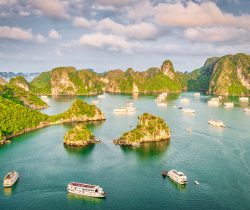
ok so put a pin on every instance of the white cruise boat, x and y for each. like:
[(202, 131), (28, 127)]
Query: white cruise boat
[(243, 99), (185, 100), (161, 104), (214, 102), (10, 179), (130, 109), (124, 110), (85, 189), (178, 177), (217, 123), (162, 97), (197, 94), (188, 110), (129, 104), (229, 105), (120, 110), (247, 110), (102, 96)]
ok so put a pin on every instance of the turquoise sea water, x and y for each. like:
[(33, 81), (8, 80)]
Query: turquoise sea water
[(218, 158)]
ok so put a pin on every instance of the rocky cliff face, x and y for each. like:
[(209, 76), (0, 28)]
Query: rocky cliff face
[(67, 81), (21, 82), (153, 80), (226, 75), (79, 136), (60, 81), (149, 129), (231, 75), (168, 69), (2, 81)]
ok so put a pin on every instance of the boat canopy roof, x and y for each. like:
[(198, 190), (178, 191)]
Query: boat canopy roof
[(77, 184)]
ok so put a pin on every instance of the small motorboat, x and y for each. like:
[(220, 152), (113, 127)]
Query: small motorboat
[(164, 173), (196, 182), (10, 179)]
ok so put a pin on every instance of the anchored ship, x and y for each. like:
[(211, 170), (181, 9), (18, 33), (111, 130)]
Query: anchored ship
[(217, 123), (188, 110), (10, 179), (243, 99), (229, 105), (185, 100), (214, 102), (86, 189), (177, 176)]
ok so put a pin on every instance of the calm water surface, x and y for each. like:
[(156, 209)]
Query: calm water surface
[(218, 158)]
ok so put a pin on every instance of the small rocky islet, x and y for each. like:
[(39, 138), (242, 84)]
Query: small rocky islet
[(150, 128), (79, 136)]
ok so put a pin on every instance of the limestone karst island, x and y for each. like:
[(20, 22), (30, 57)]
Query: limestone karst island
[(124, 104)]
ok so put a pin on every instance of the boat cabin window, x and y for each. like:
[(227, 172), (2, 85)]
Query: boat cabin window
[(96, 190)]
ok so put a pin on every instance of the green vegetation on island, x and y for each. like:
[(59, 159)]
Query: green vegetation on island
[(79, 136), (19, 81), (150, 128), (80, 111), (20, 96), (153, 80), (16, 118), (227, 75), (67, 81)]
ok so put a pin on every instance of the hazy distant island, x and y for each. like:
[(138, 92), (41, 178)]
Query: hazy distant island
[(226, 75), (16, 118), (150, 128), (79, 136)]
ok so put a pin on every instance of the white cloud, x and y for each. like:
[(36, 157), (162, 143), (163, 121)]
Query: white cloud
[(7, 2), (40, 39), (52, 8), (103, 7), (53, 34), (82, 22), (215, 34), (100, 40), (138, 31), (114, 2), (15, 33), (23, 13), (141, 10), (197, 15)]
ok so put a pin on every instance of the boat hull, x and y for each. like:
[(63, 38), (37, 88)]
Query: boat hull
[(95, 195), (176, 179), (10, 183)]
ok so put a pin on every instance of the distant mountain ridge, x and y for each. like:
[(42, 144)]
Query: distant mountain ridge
[(153, 80), (226, 75)]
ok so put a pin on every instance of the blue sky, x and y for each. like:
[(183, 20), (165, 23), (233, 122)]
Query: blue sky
[(38, 35)]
